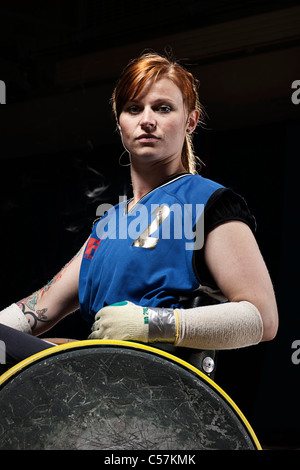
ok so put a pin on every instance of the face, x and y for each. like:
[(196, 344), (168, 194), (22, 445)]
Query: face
[(153, 125)]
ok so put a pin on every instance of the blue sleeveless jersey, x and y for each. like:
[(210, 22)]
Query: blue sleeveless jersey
[(146, 255)]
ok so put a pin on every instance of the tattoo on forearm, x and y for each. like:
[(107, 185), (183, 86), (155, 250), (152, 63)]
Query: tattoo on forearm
[(50, 283), (29, 302), (27, 306), (38, 316)]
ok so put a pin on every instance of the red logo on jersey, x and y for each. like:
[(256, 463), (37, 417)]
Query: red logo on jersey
[(91, 248)]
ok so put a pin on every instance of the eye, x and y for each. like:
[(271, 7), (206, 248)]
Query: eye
[(165, 108), (133, 109)]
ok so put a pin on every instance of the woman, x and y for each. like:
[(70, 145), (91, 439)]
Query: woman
[(135, 275)]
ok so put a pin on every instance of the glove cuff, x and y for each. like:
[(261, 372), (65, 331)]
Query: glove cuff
[(162, 325)]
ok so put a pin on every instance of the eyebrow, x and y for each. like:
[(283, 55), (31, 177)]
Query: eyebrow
[(155, 102)]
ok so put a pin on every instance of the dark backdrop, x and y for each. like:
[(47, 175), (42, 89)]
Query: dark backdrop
[(59, 151)]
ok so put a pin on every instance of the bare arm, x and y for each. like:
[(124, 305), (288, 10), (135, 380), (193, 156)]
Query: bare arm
[(58, 298), (235, 261)]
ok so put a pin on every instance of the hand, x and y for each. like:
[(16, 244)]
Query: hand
[(121, 321)]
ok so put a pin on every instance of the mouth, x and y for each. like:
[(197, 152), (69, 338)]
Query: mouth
[(147, 138)]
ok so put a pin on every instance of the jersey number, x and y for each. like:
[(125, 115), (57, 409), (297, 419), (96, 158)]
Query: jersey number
[(145, 240)]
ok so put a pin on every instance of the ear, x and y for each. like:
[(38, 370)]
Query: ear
[(192, 120)]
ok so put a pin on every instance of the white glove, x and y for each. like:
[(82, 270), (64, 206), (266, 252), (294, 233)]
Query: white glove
[(122, 321), (127, 321), (14, 317)]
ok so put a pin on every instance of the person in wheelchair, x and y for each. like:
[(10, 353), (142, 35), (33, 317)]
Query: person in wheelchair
[(180, 238)]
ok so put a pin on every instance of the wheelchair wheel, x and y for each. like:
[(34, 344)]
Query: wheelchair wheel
[(114, 395)]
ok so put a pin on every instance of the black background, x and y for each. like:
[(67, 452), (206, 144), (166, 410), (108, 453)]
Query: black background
[(59, 151)]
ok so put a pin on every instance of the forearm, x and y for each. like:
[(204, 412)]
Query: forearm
[(41, 310), (45, 308), (36, 313), (225, 326), (36, 316)]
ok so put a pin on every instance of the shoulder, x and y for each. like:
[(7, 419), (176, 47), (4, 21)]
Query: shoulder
[(192, 188), (226, 205)]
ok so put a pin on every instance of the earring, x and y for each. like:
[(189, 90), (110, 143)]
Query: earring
[(120, 158)]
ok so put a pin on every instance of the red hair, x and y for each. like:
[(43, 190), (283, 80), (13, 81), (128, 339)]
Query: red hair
[(151, 67)]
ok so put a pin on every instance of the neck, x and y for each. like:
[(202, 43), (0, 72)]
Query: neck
[(146, 178)]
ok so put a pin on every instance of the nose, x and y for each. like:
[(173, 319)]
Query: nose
[(148, 121)]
